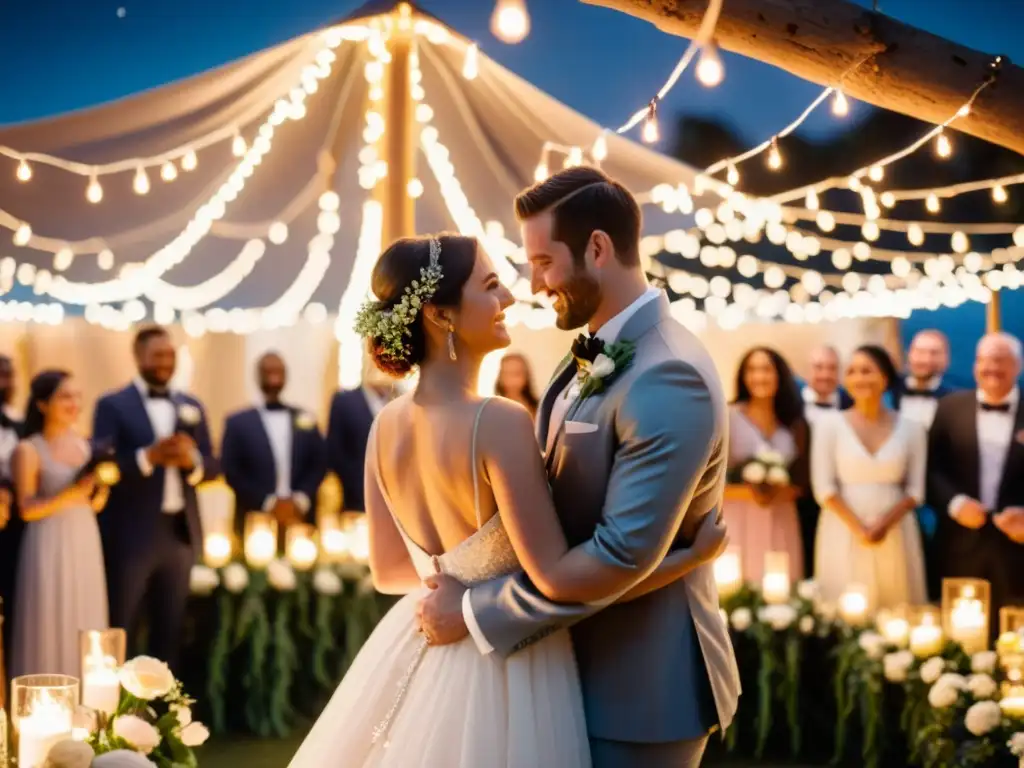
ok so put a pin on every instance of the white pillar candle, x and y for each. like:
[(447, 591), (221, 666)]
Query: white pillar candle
[(47, 725), (101, 687), (968, 624), (926, 638), (728, 574)]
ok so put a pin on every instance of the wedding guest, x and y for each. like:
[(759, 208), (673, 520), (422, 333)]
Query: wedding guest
[(61, 586), (868, 473), (822, 393), (766, 416), (927, 361), (976, 473), (151, 529), (273, 455), (348, 430), (11, 525), (515, 381)]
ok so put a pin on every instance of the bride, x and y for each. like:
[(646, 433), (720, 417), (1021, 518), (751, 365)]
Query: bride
[(436, 459)]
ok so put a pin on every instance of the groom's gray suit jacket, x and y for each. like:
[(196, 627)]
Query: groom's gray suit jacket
[(642, 464)]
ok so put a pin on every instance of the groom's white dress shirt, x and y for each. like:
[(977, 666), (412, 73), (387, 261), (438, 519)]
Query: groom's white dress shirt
[(163, 417), (608, 333)]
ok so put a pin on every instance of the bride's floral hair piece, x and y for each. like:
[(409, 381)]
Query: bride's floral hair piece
[(391, 326)]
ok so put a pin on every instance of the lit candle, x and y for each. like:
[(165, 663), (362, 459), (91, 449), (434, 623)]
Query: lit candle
[(853, 605), (968, 624), (775, 585), (728, 573), (333, 540), (300, 547), (896, 630), (216, 550), (260, 539), (359, 541), (47, 724), (1012, 701), (101, 687), (926, 638)]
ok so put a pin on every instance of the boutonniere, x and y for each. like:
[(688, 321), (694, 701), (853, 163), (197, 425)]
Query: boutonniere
[(594, 376), (189, 414), (304, 421)]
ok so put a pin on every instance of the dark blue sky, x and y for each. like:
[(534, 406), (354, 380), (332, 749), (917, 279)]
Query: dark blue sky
[(59, 55)]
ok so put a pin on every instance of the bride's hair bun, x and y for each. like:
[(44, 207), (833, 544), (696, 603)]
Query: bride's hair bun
[(403, 262)]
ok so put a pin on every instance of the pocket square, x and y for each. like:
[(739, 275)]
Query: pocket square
[(579, 428)]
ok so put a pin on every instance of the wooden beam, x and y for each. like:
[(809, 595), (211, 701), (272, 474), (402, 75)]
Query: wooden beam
[(908, 71), (993, 314), (399, 140)]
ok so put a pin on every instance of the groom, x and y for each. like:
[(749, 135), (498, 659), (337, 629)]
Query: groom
[(633, 470)]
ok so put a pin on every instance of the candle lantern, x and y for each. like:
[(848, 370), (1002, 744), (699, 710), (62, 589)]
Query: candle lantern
[(300, 546), (853, 605), (729, 573), (894, 625), (926, 638), (260, 539), (333, 540), (1011, 619), (775, 584), (1012, 701), (216, 510), (358, 533), (965, 612), (42, 708), (103, 655)]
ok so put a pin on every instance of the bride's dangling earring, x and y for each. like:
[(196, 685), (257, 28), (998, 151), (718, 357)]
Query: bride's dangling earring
[(451, 343)]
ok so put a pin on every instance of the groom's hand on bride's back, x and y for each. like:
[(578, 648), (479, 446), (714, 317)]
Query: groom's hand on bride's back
[(440, 612)]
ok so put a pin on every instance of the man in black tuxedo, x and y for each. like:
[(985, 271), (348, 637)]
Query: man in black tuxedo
[(273, 455), (11, 525), (976, 474), (151, 529)]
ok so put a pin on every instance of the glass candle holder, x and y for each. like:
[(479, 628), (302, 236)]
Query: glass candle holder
[(260, 539), (729, 573), (216, 510), (103, 655), (358, 532), (42, 709), (926, 637), (894, 626), (300, 546), (775, 584), (853, 605), (1012, 700), (965, 612), (333, 540)]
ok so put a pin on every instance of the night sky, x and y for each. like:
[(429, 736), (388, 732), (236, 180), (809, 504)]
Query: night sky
[(61, 55)]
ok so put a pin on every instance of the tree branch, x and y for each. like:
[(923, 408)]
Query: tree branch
[(907, 70)]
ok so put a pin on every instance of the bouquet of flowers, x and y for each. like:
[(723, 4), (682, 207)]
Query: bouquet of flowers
[(768, 467), (152, 725)]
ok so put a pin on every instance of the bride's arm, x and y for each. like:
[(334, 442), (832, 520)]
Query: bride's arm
[(390, 565)]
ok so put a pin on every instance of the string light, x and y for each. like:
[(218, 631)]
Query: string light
[(876, 173), (415, 188), (710, 71), (105, 259), (238, 145), (62, 259), (24, 172), (932, 203), (943, 148), (168, 171), (510, 21), (22, 235), (189, 161), (650, 131), (141, 181), (774, 156), (94, 192), (541, 172), (470, 64), (732, 175), (600, 149), (840, 105), (278, 233), (999, 194)]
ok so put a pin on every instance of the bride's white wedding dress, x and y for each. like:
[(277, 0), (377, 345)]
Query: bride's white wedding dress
[(449, 706)]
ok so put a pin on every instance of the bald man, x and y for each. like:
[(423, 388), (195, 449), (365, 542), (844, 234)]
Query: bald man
[(976, 474), (927, 361)]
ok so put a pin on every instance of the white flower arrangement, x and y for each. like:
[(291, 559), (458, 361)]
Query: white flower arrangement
[(147, 678), (982, 686), (235, 578), (779, 617), (137, 732), (768, 467), (984, 662), (983, 717), (931, 669), (896, 666), (808, 590), (943, 696), (741, 619), (806, 625), (326, 582), (189, 414), (281, 575), (873, 644), (203, 579), (1016, 744)]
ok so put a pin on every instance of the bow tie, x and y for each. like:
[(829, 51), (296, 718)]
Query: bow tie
[(158, 394), (920, 393), (276, 407), (825, 405), (997, 408), (587, 348)]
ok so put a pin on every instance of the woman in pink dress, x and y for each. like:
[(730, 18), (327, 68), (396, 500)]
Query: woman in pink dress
[(766, 418)]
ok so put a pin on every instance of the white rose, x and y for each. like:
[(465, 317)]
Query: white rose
[(896, 665), (754, 473), (194, 734), (942, 696), (236, 577), (1016, 744), (137, 732), (203, 579), (983, 717), (807, 590), (280, 575), (873, 644), (769, 456), (741, 619), (326, 582), (602, 366), (984, 662), (147, 678), (981, 686), (806, 624), (931, 669), (69, 754), (184, 715), (122, 758), (189, 414), (777, 476), (953, 680), (779, 617)]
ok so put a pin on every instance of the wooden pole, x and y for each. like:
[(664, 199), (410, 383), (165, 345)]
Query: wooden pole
[(399, 140), (993, 314), (907, 70)]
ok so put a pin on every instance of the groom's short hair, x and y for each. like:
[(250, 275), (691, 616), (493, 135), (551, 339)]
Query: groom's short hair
[(581, 200)]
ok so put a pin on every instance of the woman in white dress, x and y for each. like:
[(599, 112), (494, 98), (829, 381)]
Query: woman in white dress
[(868, 475), (61, 585), (437, 460)]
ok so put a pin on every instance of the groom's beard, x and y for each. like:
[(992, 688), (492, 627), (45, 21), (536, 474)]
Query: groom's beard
[(578, 301)]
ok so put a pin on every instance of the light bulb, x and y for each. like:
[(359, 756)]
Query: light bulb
[(424, 113), (709, 67), (575, 158), (942, 146), (22, 234), (650, 130), (999, 194), (105, 259), (189, 161), (168, 171), (812, 203), (959, 242), (470, 65), (541, 172), (932, 203), (840, 105), (238, 146), (732, 175), (888, 199), (870, 230), (510, 21), (94, 192), (24, 171), (915, 234), (600, 149), (277, 233), (62, 259), (414, 188), (141, 182), (774, 156), (876, 173)]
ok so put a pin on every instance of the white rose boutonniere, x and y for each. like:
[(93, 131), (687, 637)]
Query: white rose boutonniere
[(594, 376), (189, 414), (304, 421)]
